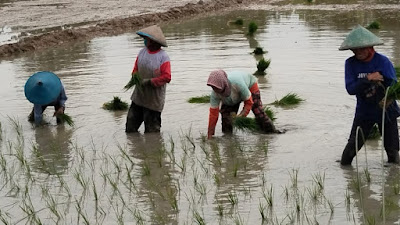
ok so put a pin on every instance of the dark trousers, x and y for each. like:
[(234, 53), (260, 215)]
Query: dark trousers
[(391, 140), (31, 117), (262, 118), (138, 114)]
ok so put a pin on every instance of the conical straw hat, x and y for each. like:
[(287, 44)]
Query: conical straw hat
[(154, 33), (42, 88), (360, 37)]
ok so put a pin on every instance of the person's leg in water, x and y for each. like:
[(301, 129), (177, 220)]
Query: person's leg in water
[(261, 117), (349, 151), (227, 119), (152, 121), (134, 118), (391, 140)]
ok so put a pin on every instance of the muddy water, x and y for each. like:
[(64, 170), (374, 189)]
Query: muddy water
[(185, 181)]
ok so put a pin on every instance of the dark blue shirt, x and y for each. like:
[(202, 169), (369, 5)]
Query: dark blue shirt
[(369, 93)]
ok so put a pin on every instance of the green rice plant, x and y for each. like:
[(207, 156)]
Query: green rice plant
[(252, 28), (262, 65), (135, 80), (217, 180), (392, 94), (269, 196), (238, 21), (261, 209), (294, 175), (289, 99), (367, 175), (233, 198), (319, 180), (309, 1), (374, 25), (270, 113), (200, 99), (259, 51), (397, 69), (220, 209), (374, 133), (115, 104), (65, 118), (371, 220), (396, 187), (245, 123), (198, 218)]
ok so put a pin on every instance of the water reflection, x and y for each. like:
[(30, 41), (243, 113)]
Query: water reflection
[(51, 152), (369, 201), (157, 188)]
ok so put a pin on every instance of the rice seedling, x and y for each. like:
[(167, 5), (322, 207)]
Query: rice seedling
[(236, 166), (367, 175), (397, 69), (220, 209), (200, 99), (396, 187), (374, 25), (261, 209), (262, 65), (319, 180), (198, 218), (374, 133), (138, 217), (259, 51), (294, 178), (269, 196), (146, 169), (270, 113), (371, 219), (65, 118), (287, 100), (245, 123), (309, 1), (115, 104), (233, 198), (238, 21), (135, 80), (252, 28)]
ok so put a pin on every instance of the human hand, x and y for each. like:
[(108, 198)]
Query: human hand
[(59, 111), (375, 76), (146, 82)]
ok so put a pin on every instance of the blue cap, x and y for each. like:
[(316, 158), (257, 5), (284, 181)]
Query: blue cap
[(42, 88)]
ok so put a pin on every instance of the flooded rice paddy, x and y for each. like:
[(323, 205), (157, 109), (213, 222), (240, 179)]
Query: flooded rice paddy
[(94, 173)]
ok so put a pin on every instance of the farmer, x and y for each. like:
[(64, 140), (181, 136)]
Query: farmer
[(367, 75), (45, 89), (153, 66), (231, 89)]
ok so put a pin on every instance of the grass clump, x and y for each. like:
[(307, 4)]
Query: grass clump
[(262, 65), (252, 28), (245, 123), (374, 25), (289, 99), (135, 80), (374, 133), (65, 118), (115, 104), (200, 99), (258, 51)]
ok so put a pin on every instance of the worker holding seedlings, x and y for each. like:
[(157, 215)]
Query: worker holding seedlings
[(231, 89), (367, 75), (45, 89), (154, 69)]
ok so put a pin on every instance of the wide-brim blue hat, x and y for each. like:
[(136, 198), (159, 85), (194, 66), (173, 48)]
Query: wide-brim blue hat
[(42, 88)]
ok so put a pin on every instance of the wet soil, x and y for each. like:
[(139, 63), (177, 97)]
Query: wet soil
[(117, 26)]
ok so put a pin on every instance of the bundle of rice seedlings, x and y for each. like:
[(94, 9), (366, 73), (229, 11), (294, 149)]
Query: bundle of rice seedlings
[(115, 104), (258, 51), (374, 25), (397, 71), (252, 28), (289, 99), (262, 65), (238, 21), (66, 118), (374, 133), (200, 99), (270, 113), (245, 123), (135, 80)]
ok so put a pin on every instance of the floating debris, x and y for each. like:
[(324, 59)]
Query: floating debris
[(115, 104), (289, 99), (200, 99)]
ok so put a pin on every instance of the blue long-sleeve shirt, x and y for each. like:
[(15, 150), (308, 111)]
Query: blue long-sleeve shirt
[(369, 93), (38, 109)]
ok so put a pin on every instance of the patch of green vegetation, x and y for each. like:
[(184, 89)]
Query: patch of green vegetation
[(245, 123), (258, 51), (374, 133), (374, 25), (200, 99), (262, 65), (252, 28), (397, 68), (238, 21), (135, 80), (270, 113), (115, 104), (289, 99), (65, 118)]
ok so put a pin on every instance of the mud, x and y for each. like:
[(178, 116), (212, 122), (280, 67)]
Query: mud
[(118, 26)]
